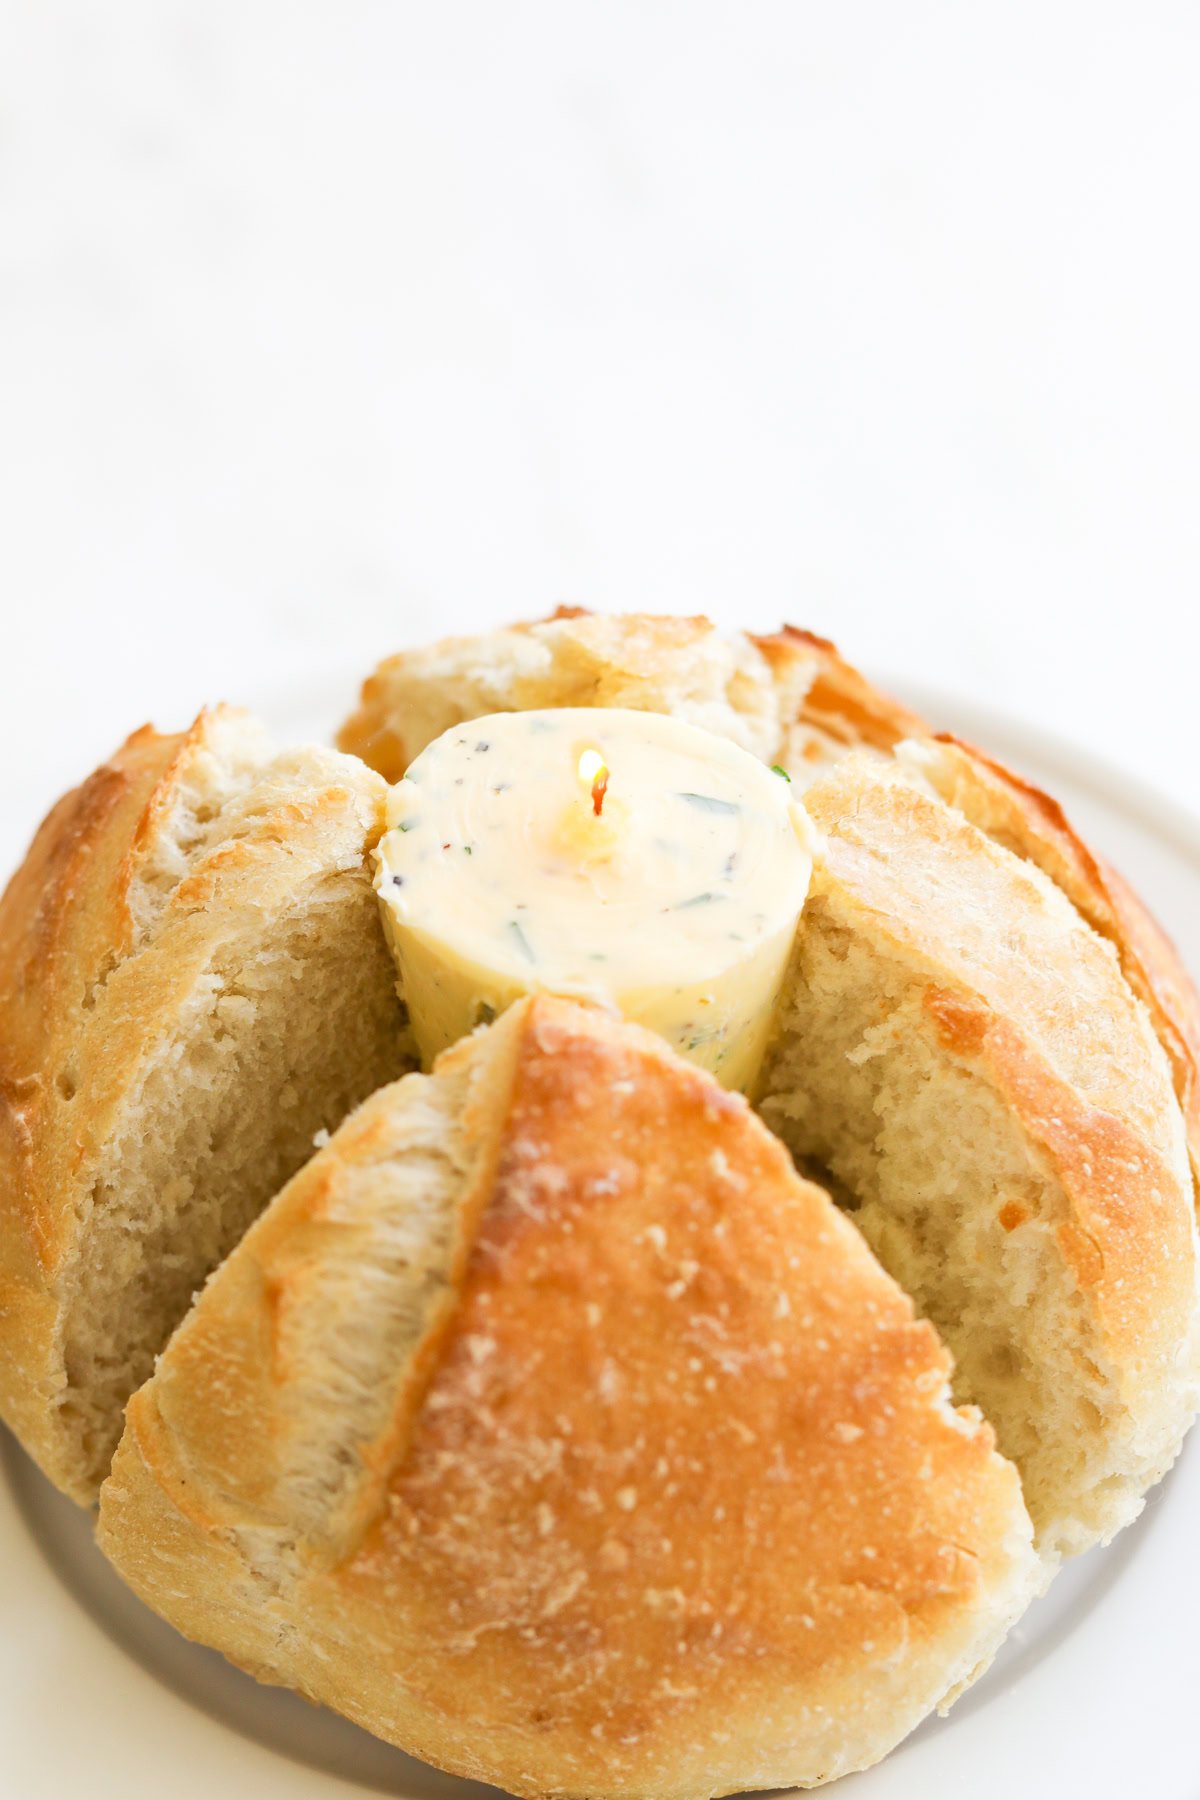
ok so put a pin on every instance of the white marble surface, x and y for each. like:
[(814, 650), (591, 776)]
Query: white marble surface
[(324, 328)]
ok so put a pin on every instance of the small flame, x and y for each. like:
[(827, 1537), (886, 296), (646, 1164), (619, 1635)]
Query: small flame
[(593, 773)]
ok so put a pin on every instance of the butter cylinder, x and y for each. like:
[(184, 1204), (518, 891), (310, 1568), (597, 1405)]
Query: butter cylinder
[(623, 858)]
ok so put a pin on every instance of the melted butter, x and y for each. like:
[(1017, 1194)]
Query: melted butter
[(675, 904)]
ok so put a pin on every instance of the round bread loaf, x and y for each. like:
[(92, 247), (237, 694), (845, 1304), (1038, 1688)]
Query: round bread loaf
[(550, 1426), (193, 980), (988, 1049), (548, 1422)]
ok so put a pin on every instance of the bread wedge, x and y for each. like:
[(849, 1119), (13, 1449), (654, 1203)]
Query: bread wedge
[(548, 1425), (725, 683), (193, 981), (963, 1053), (1031, 823)]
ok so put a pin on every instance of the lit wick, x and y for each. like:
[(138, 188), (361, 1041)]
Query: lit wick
[(594, 774), (599, 789)]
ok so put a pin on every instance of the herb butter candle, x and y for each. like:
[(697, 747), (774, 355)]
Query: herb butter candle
[(621, 857)]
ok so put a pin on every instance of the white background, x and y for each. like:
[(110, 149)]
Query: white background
[(327, 328)]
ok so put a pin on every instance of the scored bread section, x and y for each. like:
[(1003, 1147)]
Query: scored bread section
[(723, 682), (1032, 824), (194, 981), (964, 1055), (664, 1493), (287, 1394)]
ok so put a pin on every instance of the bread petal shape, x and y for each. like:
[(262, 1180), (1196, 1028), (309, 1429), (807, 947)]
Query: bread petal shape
[(193, 981), (963, 1053), (550, 1426)]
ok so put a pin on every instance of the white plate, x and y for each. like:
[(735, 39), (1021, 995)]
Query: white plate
[(1093, 1695)]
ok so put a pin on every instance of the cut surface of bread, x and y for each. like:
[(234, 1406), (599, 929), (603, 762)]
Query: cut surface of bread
[(1029, 822), (194, 982), (724, 682), (961, 1050), (550, 1426)]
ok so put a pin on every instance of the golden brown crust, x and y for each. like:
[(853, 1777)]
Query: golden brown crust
[(64, 921), (819, 704), (1016, 978), (649, 662), (844, 709), (837, 704), (1127, 1238), (233, 1384), (1032, 823), (101, 948), (676, 1506), (787, 696)]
